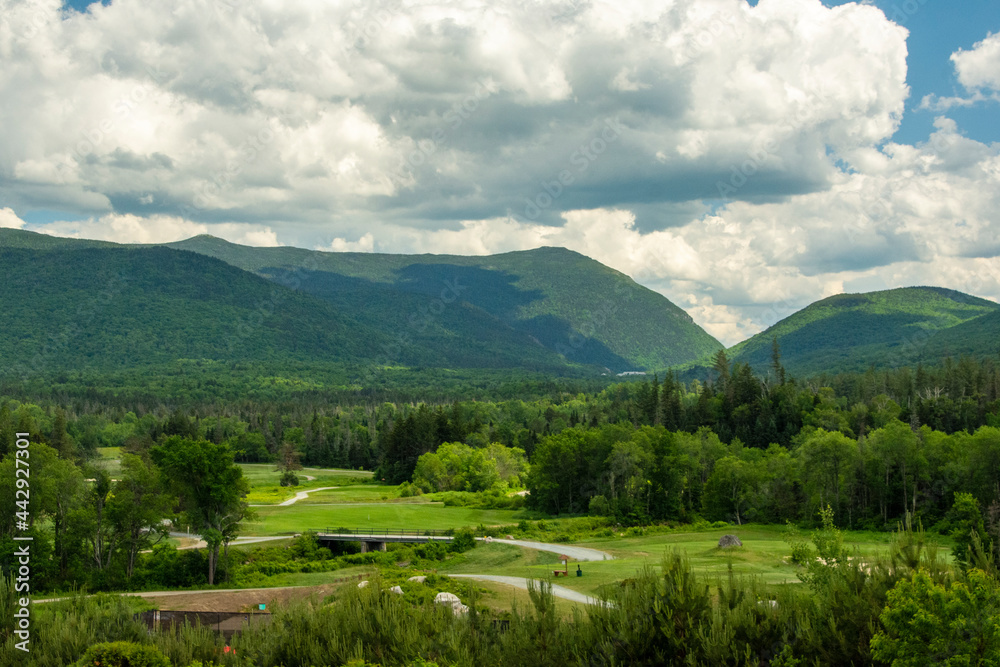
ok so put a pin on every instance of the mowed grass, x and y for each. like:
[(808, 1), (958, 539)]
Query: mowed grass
[(358, 493), (264, 474), (764, 555), (375, 516), (109, 458)]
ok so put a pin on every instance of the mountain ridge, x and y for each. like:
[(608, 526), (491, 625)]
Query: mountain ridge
[(892, 327)]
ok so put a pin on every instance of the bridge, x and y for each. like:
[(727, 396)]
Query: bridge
[(375, 540)]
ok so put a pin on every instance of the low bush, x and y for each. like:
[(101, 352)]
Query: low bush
[(123, 654)]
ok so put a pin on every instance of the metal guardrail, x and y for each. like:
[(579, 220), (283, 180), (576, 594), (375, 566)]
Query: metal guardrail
[(386, 533)]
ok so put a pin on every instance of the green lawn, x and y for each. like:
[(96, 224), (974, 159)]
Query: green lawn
[(764, 555), (377, 516), (264, 474), (108, 458)]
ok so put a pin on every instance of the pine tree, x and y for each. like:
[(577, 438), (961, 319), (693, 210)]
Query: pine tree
[(59, 439), (6, 429), (779, 370)]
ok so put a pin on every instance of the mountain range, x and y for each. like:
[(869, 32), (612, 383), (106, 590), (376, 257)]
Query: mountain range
[(547, 309), (72, 303)]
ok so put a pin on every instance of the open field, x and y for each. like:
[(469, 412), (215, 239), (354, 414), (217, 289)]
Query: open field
[(265, 489), (110, 460), (264, 474), (764, 554), (376, 516)]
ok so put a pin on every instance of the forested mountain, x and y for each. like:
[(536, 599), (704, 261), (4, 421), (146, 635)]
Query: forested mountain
[(561, 299), (892, 328), (74, 307), (82, 304), (548, 310)]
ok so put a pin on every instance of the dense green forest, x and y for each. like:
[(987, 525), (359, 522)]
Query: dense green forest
[(874, 446)]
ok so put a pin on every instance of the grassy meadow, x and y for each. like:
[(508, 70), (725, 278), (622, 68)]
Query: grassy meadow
[(357, 502)]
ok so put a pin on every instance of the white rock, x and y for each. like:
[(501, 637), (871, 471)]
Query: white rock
[(362, 584), (397, 590), (447, 598), (419, 578), (487, 539)]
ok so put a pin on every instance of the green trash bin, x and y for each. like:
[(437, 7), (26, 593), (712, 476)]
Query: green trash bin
[(579, 572)]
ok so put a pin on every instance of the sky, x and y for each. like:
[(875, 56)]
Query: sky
[(744, 159)]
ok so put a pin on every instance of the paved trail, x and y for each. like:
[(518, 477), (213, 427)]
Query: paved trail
[(239, 541), (302, 495), (576, 553), (522, 583)]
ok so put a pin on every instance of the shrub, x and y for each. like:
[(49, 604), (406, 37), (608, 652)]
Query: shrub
[(599, 506), (123, 654), (464, 540), (289, 478)]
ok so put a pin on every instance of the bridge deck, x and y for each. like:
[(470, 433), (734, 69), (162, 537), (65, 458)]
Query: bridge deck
[(378, 537), (382, 536)]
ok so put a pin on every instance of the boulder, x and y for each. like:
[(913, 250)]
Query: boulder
[(510, 537), (419, 578), (453, 601), (397, 590), (362, 584), (727, 541), (447, 598)]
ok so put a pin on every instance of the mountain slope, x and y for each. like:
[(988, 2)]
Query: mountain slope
[(118, 307), (850, 332), (550, 297), (976, 338)]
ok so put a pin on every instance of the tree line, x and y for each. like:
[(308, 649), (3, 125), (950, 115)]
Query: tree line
[(108, 528)]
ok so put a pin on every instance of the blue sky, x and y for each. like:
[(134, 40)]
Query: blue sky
[(743, 160), (938, 29)]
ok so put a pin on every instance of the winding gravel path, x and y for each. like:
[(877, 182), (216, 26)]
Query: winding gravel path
[(522, 583), (302, 495), (576, 553)]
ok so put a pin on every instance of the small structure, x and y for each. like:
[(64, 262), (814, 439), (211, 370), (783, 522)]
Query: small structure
[(565, 571), (727, 541)]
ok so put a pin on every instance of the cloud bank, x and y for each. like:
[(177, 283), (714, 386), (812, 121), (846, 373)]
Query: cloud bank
[(735, 158)]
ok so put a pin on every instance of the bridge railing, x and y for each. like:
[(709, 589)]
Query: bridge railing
[(386, 533)]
